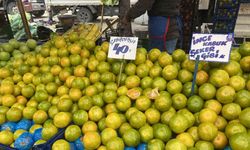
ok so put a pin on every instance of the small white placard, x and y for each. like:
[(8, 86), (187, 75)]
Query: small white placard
[(123, 47), (211, 47)]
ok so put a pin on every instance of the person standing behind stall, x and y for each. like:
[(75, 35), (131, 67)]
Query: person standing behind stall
[(164, 25)]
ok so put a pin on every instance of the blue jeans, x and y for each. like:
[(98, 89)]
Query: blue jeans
[(158, 29), (171, 45)]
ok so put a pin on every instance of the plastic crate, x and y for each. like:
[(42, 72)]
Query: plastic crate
[(225, 16), (49, 143), (4, 147), (228, 3)]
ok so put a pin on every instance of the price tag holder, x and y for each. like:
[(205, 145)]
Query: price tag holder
[(211, 47), (123, 48)]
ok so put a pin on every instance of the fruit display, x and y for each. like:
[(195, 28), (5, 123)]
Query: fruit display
[(69, 84), (85, 31)]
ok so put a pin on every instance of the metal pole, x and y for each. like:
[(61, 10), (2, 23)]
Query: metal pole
[(102, 14), (24, 19)]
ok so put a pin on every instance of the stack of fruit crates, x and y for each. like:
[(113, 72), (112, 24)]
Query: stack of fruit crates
[(225, 16)]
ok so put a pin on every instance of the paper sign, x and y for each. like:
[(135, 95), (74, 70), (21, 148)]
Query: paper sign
[(211, 47), (123, 47)]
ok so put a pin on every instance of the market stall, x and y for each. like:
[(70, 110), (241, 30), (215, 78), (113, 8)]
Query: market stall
[(79, 90)]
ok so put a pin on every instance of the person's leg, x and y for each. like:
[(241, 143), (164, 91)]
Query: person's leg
[(156, 28), (171, 45)]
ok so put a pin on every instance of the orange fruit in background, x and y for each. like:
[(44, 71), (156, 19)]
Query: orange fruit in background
[(155, 144), (137, 119), (204, 145), (140, 58), (60, 42), (142, 103), (159, 83), (185, 76), (188, 115), (132, 81), (49, 131), (232, 68), (123, 103), (186, 139), (91, 140), (75, 94), (62, 119), (207, 91), (207, 115), (2, 118), (107, 134), (195, 103), (240, 141), (113, 120), (163, 103), (162, 132), (131, 137), (178, 123), (89, 126), (244, 117), (94, 77), (245, 63), (234, 128), (201, 77), (237, 82), (220, 141), (174, 86), (207, 131), (179, 101), (219, 78), (213, 105), (165, 59), (146, 133), (8, 100), (155, 71), (153, 115), (179, 55), (61, 145), (142, 70), (225, 94), (242, 98), (220, 123), (110, 108), (167, 115), (175, 144), (96, 113), (115, 143), (231, 111), (6, 137), (40, 117), (130, 69), (72, 133), (28, 112), (14, 114), (7, 88), (169, 72), (193, 131), (154, 54)]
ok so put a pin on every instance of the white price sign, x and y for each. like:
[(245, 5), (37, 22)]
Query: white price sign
[(123, 47), (211, 47)]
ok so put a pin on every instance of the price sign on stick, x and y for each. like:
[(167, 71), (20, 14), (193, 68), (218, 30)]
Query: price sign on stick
[(123, 47), (211, 47)]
